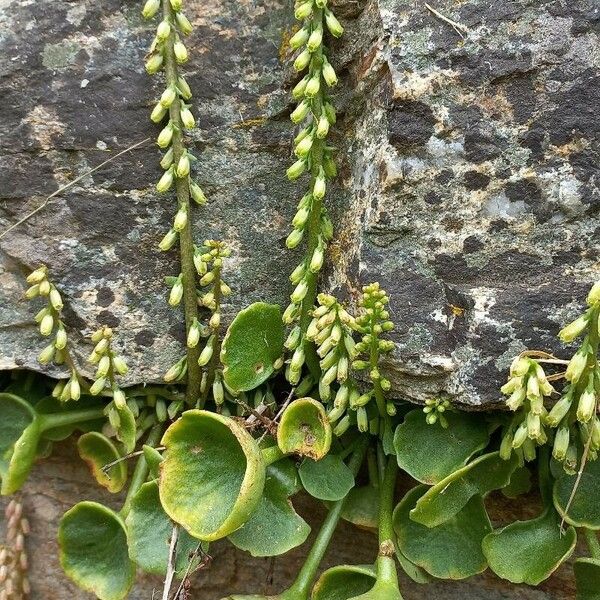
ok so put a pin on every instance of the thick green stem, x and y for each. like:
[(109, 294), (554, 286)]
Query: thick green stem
[(272, 455), (544, 475), (591, 539), (55, 420), (301, 586), (186, 243), (140, 472)]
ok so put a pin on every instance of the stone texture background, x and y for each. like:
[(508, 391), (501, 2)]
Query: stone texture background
[(467, 186)]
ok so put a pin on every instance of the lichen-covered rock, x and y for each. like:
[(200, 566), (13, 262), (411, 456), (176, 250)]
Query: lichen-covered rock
[(467, 183)]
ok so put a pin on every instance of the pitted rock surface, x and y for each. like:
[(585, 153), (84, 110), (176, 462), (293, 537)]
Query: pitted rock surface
[(467, 186)]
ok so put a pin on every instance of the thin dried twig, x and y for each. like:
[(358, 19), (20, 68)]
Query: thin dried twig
[(68, 185), (458, 27), (109, 465), (171, 565)]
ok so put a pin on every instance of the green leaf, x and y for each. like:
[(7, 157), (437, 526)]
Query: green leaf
[(50, 405), (149, 531), (344, 582), (93, 550), (254, 341), (445, 499), (98, 451), (430, 453), (587, 578), (304, 429), (449, 551), (17, 414), (274, 527), (585, 508), (519, 484), (127, 428), (361, 507), (153, 459), (529, 551), (220, 467), (417, 574), (327, 479)]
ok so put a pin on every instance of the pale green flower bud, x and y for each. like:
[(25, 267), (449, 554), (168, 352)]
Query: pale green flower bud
[(303, 148), (298, 273), (587, 405), (32, 292), (322, 127), (183, 166), (167, 159), (119, 397), (97, 386), (47, 325), (290, 314), (561, 444), (58, 389), (150, 8), (320, 185), (225, 289), (174, 372), (47, 354), (336, 413), (506, 446), (316, 261), (180, 51), (573, 330), (329, 74), (207, 278), (176, 5), (154, 63), (576, 366), (342, 369), (176, 292), (299, 292), (594, 296), (324, 391), (207, 352), (315, 39), (38, 275), (187, 118), (44, 287), (534, 426), (302, 60), (55, 299), (74, 387), (158, 113), (193, 336), (300, 88), (61, 338), (519, 367), (184, 88), (296, 169), (516, 399), (218, 392), (333, 24), (303, 10), (215, 320), (168, 241), (559, 411), (183, 23), (293, 339), (297, 358), (362, 420), (299, 38), (165, 182), (300, 218), (120, 365), (103, 367), (168, 97), (165, 136), (181, 219), (163, 30), (533, 388), (313, 86), (520, 436), (197, 194), (300, 112)]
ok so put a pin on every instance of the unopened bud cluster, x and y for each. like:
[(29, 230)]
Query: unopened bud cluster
[(315, 114), (526, 389), (173, 105), (435, 409), (14, 584)]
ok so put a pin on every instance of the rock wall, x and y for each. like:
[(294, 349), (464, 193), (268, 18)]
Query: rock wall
[(468, 151)]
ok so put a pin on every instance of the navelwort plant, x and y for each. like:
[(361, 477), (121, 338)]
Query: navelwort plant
[(251, 415)]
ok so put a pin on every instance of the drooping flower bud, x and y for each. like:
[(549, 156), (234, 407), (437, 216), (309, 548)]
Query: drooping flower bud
[(180, 51), (187, 118), (315, 39), (163, 30), (197, 194), (574, 329), (47, 325), (168, 97), (299, 38), (300, 112), (154, 63), (576, 366), (181, 219), (334, 26), (313, 86), (168, 241), (296, 169), (165, 182), (303, 10), (183, 166), (302, 60), (320, 185), (165, 136), (176, 292), (183, 23), (322, 127), (150, 8), (329, 74)]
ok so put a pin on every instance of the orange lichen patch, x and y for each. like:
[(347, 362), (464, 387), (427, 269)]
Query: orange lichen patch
[(249, 123), (284, 48)]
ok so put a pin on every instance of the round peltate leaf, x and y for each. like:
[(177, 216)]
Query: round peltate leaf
[(274, 527), (429, 453), (344, 582), (93, 551), (361, 507), (220, 467), (17, 414), (529, 551), (417, 574), (149, 531), (98, 451), (445, 499), (326, 479), (254, 341), (585, 508), (451, 550), (304, 429), (587, 578)]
